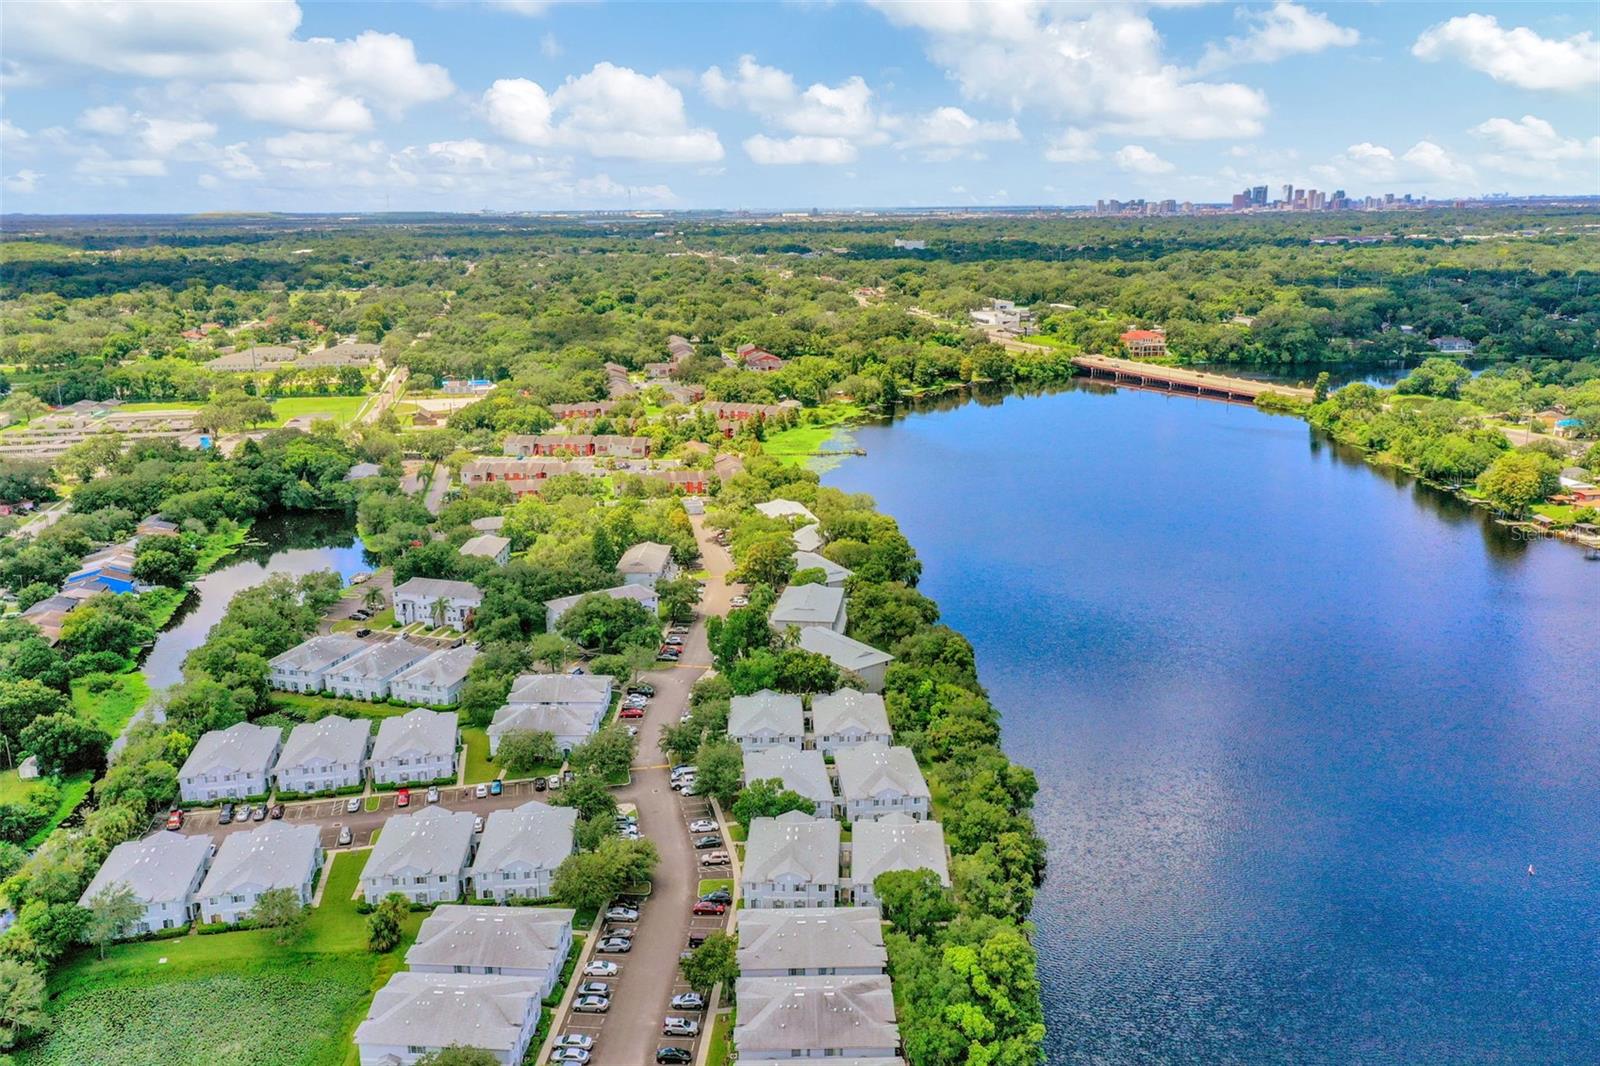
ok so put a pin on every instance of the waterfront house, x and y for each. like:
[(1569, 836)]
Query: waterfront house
[(435, 602), (833, 1016), (647, 563), (1453, 345), (799, 770), (781, 508), (815, 942), (894, 842), (366, 676), (808, 538), (418, 746), (230, 764), (846, 718), (808, 606), (162, 871), (766, 719), (847, 653), (436, 681), (423, 856), (497, 549), (791, 861), (876, 780), (418, 1014), (643, 595), (277, 855), (324, 755), (570, 707), (531, 942), (1145, 343), (304, 667), (521, 849), (833, 575)]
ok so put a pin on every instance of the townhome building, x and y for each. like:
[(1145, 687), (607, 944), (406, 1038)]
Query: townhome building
[(496, 549), (531, 942), (833, 1017), (833, 575), (436, 681), (568, 706), (304, 667), (894, 842), (521, 849), (367, 676), (418, 746), (419, 1014), (277, 855), (818, 942), (328, 754), (647, 563), (230, 764), (163, 871), (846, 718), (875, 780), (849, 654), (798, 770), (791, 861), (644, 595), (436, 602), (809, 606), (766, 719), (423, 856)]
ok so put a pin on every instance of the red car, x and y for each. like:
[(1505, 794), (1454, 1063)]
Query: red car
[(631, 712), (175, 820), (402, 798), (707, 907)]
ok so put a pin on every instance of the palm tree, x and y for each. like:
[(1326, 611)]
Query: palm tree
[(441, 608), (373, 600)]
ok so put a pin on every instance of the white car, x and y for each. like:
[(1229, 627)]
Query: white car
[(481, 792), (597, 968), (570, 1054), (702, 825), (477, 824), (433, 793), (622, 914), (740, 601)]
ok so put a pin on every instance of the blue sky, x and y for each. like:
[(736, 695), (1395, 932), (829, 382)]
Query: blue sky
[(520, 104)]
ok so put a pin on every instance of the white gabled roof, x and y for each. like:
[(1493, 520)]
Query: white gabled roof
[(809, 560), (807, 605), (808, 538), (560, 688), (241, 746), (439, 1009), (897, 842), (318, 653), (811, 939), (766, 712), (432, 841), (327, 740), (432, 588), (159, 868), (277, 855), (847, 653), (419, 731), (793, 844), (868, 769), (487, 545), (558, 719), (644, 595), (646, 557), (503, 937), (803, 771), (839, 711), (781, 1014), (380, 661), (781, 508), (443, 668), (535, 834)]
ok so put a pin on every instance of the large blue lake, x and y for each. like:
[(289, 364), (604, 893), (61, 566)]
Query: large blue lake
[(1301, 726)]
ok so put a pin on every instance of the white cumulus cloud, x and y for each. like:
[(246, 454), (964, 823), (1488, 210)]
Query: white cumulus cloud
[(1137, 159), (791, 151), (1072, 145), (949, 132), (1531, 147), (1283, 30), (1517, 56)]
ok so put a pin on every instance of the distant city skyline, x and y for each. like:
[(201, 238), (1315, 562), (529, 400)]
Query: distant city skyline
[(524, 105)]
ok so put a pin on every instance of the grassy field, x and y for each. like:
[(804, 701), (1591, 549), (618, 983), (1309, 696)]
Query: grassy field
[(479, 766), (232, 998), (217, 547), (711, 884), (309, 708), (795, 446), (112, 706), (339, 408), (163, 603), (74, 788)]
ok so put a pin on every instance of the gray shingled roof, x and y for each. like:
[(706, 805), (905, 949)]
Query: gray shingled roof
[(327, 740), (814, 1013), (493, 523), (535, 833), (839, 711), (642, 594), (792, 844), (766, 711), (277, 855), (241, 746), (868, 769), (847, 653), (444, 667), (560, 688), (897, 842), (439, 1009), (804, 771), (432, 841), (419, 730), (807, 605), (646, 557), (560, 719), (317, 653), (487, 545), (381, 660), (159, 868), (809, 560), (503, 937), (808, 538), (781, 508), (811, 938), (432, 588)]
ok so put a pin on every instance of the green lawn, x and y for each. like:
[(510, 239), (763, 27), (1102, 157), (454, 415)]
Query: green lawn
[(310, 708), (232, 998), (111, 707), (720, 1053), (339, 408), (479, 766), (711, 884), (162, 603), (74, 788), (795, 446), (217, 547)]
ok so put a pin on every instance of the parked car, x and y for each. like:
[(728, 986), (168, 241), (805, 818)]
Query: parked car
[(667, 655), (710, 841), (554, 782), (601, 968), (681, 783), (631, 712), (363, 631), (591, 1004), (258, 813), (477, 824), (569, 1054), (688, 788), (683, 768), (538, 784), (643, 688), (345, 836), (714, 858), (577, 1040), (622, 914), (696, 938), (593, 988), (618, 932), (433, 793), (402, 798), (740, 601), (614, 945), (225, 815), (277, 811), (496, 787), (675, 1026), (175, 820), (702, 825), (707, 907), (678, 627), (352, 805), (673, 641), (719, 895), (481, 792), (688, 1001), (674, 1056)]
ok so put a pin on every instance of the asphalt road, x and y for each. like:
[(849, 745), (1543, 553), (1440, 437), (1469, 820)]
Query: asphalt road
[(630, 1033)]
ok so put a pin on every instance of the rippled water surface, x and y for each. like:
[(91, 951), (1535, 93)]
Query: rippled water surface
[(1301, 727)]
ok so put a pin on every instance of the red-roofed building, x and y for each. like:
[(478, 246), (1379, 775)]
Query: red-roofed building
[(1145, 343), (756, 357)]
